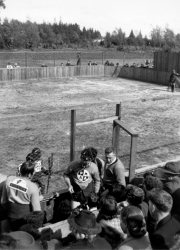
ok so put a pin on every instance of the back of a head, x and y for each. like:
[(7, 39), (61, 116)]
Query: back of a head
[(133, 217), (94, 152), (27, 168), (135, 195), (161, 199), (37, 153), (30, 157), (119, 192), (151, 182), (108, 208), (87, 154)]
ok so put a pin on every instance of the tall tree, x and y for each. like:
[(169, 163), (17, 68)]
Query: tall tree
[(157, 36), (2, 4)]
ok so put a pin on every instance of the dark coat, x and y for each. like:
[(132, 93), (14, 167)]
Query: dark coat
[(163, 236)]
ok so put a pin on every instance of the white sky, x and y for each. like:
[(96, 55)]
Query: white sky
[(102, 15)]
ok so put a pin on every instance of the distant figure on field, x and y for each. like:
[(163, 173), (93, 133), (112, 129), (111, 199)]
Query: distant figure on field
[(78, 60), (16, 65), (68, 63), (43, 65), (9, 66), (172, 80), (89, 63)]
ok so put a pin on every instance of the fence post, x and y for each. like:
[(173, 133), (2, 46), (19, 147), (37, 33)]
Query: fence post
[(132, 164), (72, 135), (123, 58), (54, 59), (116, 130), (26, 59)]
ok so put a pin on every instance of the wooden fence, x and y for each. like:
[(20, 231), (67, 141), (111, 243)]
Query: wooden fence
[(21, 74), (166, 61), (141, 74)]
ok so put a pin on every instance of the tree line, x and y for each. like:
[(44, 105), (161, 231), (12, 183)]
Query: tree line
[(16, 34), (164, 39)]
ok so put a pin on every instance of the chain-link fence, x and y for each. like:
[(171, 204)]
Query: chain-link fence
[(57, 58)]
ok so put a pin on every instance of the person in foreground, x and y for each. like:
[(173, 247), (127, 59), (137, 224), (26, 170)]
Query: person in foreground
[(166, 227), (82, 178), (114, 172), (86, 230), (134, 224), (20, 195), (109, 219)]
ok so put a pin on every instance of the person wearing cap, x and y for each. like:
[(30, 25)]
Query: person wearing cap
[(82, 178), (172, 80), (114, 172), (86, 230), (20, 195), (109, 219), (167, 226)]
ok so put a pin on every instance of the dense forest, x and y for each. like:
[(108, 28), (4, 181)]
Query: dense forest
[(30, 35)]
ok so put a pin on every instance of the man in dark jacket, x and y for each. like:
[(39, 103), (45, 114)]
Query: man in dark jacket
[(166, 226)]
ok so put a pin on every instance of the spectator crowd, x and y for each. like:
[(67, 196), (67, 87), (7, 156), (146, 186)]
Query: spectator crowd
[(103, 211)]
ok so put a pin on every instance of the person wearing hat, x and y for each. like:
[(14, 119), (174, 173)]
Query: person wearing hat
[(109, 219), (171, 173), (86, 230), (19, 240), (167, 226), (20, 196), (82, 178), (114, 172)]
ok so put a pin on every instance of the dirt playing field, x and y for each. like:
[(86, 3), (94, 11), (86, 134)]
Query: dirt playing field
[(149, 109)]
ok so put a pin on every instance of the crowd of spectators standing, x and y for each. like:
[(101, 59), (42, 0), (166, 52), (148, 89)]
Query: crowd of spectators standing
[(103, 212)]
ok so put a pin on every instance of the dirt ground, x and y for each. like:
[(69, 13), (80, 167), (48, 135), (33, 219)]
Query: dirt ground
[(149, 109)]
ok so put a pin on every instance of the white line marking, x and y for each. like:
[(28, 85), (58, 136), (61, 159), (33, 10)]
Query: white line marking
[(106, 99)]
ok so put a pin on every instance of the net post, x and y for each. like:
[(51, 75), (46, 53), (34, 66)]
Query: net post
[(72, 135)]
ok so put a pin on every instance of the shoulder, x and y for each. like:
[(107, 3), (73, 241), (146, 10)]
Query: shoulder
[(10, 178), (118, 164), (33, 187), (99, 161), (93, 167), (74, 164), (3, 177)]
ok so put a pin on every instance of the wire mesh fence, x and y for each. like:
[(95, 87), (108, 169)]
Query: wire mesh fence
[(57, 58)]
